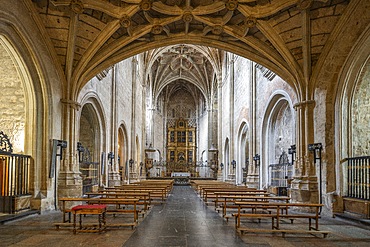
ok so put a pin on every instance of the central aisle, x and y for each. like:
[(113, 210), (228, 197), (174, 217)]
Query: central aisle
[(184, 220)]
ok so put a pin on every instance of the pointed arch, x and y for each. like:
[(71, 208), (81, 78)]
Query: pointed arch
[(242, 151), (92, 113), (351, 77), (278, 114)]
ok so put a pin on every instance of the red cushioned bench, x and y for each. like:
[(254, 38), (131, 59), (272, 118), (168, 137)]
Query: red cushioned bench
[(95, 209)]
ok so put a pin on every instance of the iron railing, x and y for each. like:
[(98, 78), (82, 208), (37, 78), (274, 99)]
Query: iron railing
[(14, 174), (279, 174), (358, 177)]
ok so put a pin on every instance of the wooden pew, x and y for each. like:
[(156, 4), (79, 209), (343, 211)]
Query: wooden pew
[(99, 210), (228, 201), (278, 215), (166, 182), (144, 197), (210, 192), (107, 201), (156, 192)]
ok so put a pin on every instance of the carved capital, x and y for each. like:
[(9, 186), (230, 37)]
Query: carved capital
[(303, 104), (71, 103)]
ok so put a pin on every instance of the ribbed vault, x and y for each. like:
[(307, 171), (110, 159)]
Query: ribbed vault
[(87, 36)]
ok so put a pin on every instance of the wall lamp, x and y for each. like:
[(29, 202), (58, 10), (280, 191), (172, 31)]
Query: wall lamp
[(222, 166), (131, 162), (62, 145), (233, 163), (81, 151), (56, 143), (257, 159), (110, 157), (292, 151), (316, 149)]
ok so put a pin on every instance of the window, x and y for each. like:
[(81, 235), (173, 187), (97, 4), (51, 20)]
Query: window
[(172, 155), (190, 156), (181, 136), (172, 136)]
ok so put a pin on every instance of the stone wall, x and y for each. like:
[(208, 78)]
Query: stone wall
[(99, 92), (12, 101), (361, 115), (273, 110)]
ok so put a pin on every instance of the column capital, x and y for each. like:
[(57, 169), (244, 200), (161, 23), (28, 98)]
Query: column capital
[(71, 103), (305, 103)]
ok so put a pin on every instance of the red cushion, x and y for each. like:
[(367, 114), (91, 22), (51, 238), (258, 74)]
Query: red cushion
[(95, 206)]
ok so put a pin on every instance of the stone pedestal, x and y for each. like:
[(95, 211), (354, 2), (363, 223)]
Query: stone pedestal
[(304, 189), (69, 184), (114, 179), (252, 181)]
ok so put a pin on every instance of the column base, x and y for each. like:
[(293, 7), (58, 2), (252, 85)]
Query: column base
[(304, 189), (69, 184), (114, 179), (252, 181)]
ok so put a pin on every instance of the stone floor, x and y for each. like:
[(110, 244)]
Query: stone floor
[(183, 221)]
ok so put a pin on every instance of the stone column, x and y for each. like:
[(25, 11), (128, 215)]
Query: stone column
[(219, 133), (113, 171), (69, 179), (133, 117), (304, 187), (253, 172), (232, 154)]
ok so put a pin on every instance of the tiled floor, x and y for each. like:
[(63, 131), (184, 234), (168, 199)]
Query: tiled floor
[(183, 221)]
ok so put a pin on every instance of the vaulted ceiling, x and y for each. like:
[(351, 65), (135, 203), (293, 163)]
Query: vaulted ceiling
[(87, 36), (176, 65)]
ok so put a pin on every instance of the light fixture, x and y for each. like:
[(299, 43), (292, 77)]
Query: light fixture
[(62, 144), (316, 149), (131, 162), (81, 151), (292, 151), (110, 157), (233, 163), (257, 159)]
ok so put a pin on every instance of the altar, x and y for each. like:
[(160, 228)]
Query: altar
[(181, 178), (180, 174)]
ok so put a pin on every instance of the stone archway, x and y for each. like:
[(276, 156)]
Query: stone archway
[(352, 138), (243, 154), (89, 137), (278, 132), (123, 152)]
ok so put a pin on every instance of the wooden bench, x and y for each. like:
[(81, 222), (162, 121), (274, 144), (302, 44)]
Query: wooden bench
[(210, 192), (80, 210), (277, 216), (106, 201), (228, 201), (144, 197), (156, 192)]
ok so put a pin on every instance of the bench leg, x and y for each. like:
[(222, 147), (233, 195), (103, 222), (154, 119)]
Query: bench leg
[(74, 223)]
